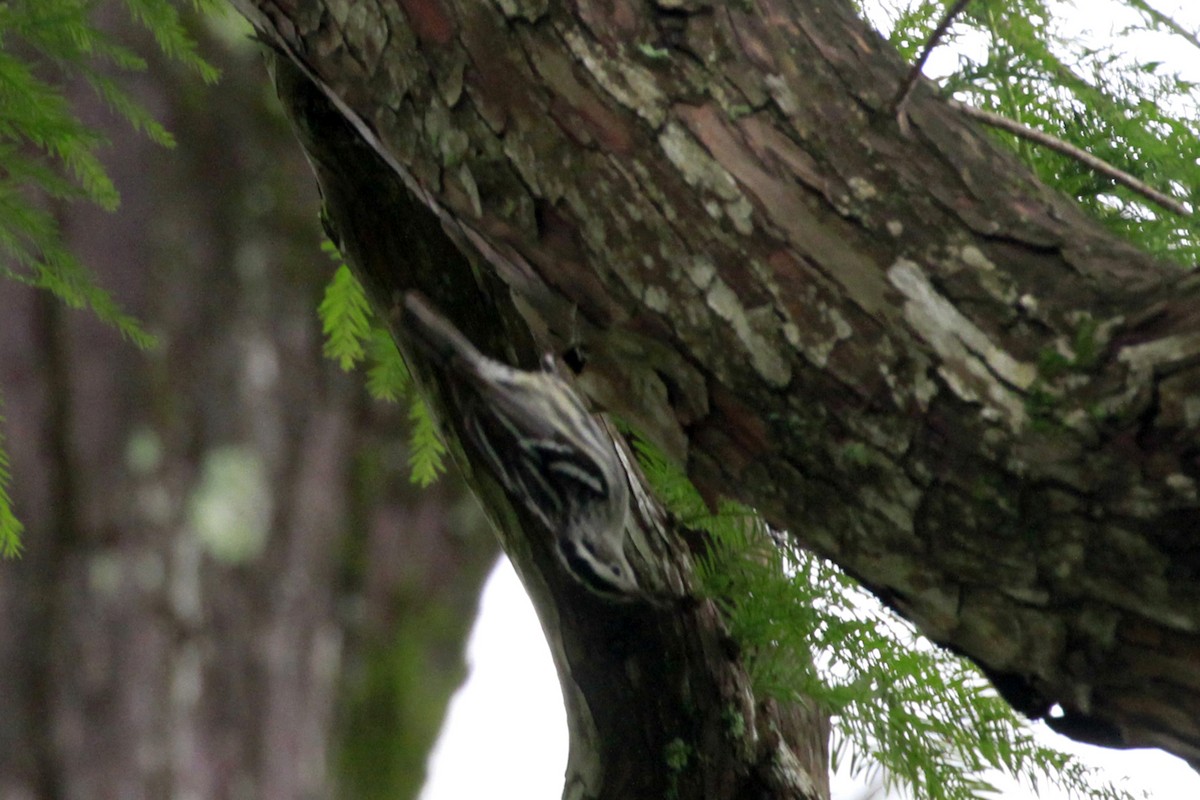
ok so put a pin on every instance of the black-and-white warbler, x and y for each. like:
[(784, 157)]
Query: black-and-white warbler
[(546, 449)]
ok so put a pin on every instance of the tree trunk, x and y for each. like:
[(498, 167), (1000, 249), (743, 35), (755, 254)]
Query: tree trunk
[(144, 653), (890, 339)]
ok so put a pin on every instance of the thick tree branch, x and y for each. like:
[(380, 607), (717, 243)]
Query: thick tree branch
[(645, 683), (904, 350)]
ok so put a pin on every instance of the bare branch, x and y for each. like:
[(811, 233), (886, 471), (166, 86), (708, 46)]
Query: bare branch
[(935, 38), (1059, 146), (1167, 22)]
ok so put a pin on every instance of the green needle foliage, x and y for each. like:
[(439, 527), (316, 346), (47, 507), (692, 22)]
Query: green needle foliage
[(387, 374), (345, 317), (926, 717), (353, 334), (1016, 59), (10, 526), (49, 157), (426, 457)]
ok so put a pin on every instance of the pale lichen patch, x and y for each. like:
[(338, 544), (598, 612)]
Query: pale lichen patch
[(841, 328), (818, 351), (791, 772), (339, 13), (768, 363), (1182, 485), (824, 325), (702, 271), (973, 257), (467, 181), (972, 365), (920, 387), (1191, 412), (657, 299), (450, 80), (628, 83), (523, 154), (452, 142), (698, 168), (529, 10), (367, 20), (862, 189), (996, 283), (897, 509), (782, 94), (1161, 352), (741, 214)]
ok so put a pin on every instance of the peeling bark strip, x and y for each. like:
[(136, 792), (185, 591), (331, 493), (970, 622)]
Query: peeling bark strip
[(713, 201)]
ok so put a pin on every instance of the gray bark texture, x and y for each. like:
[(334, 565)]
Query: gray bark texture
[(890, 339), (306, 644)]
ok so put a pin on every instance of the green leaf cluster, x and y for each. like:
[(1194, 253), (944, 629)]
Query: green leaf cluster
[(353, 335), (926, 717), (1016, 59), (49, 156), (345, 316), (10, 526)]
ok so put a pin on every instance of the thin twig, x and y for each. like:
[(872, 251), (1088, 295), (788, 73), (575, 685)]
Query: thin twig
[(1167, 22), (1059, 146), (935, 38)]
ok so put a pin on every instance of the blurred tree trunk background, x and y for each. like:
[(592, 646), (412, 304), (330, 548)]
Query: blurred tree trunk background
[(229, 588)]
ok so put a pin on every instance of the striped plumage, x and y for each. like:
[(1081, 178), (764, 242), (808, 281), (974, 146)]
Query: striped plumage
[(546, 449)]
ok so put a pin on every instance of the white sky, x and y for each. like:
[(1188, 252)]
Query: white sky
[(505, 735)]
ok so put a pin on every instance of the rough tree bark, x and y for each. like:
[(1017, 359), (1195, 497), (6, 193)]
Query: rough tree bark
[(135, 662), (897, 345)]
